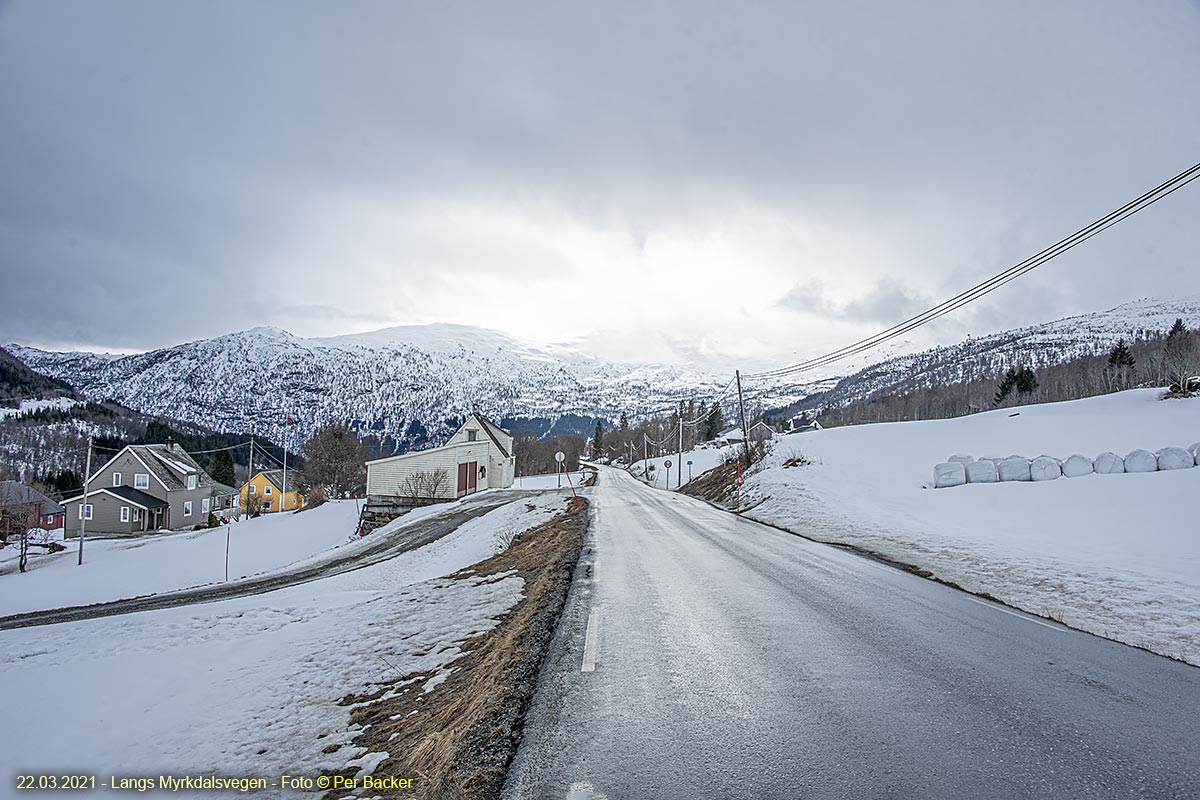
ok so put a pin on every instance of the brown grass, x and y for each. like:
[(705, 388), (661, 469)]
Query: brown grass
[(463, 734), (718, 484)]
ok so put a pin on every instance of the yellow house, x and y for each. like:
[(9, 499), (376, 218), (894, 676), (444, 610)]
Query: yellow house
[(266, 489)]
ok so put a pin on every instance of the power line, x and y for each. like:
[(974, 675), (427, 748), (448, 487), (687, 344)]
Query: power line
[(995, 282)]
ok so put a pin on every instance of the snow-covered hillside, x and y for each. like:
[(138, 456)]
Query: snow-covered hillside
[(1117, 555), (406, 383), (1034, 346)]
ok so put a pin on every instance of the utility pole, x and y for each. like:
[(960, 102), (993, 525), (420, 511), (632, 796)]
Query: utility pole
[(249, 474), (737, 374), (679, 470), (87, 474)]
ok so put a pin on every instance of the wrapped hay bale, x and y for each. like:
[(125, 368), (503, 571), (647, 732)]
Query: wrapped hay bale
[(1141, 461), (1077, 466), (1013, 469), (1195, 451), (1108, 464), (1175, 458), (1045, 468), (949, 474), (981, 471), (960, 458)]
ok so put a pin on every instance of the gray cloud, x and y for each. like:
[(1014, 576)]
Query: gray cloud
[(213, 166)]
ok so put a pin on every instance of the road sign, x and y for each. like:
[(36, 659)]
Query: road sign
[(560, 456), (689, 462), (667, 463)]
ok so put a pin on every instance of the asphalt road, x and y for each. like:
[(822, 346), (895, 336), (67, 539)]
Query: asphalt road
[(378, 547), (732, 660)]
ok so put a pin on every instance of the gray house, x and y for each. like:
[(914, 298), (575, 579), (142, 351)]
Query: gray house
[(145, 487)]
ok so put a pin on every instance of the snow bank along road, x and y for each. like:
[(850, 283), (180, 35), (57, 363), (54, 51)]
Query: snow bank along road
[(706, 655), (380, 546)]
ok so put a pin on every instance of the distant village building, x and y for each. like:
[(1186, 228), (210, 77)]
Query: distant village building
[(265, 490), (759, 431), (144, 487), (225, 500), (803, 425), (23, 507), (478, 456)]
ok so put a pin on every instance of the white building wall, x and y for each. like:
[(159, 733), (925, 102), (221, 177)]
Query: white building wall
[(387, 476)]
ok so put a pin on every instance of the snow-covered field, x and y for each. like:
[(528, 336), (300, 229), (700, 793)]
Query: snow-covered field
[(1118, 555), (30, 406), (247, 687), (119, 568)]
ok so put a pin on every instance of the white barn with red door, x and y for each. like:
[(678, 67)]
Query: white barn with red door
[(478, 456)]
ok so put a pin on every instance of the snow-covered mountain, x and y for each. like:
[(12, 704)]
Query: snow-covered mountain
[(406, 385), (1035, 346), (409, 385)]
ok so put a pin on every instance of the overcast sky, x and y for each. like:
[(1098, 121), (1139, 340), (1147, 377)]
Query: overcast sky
[(742, 180)]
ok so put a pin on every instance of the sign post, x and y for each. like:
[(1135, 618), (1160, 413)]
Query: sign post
[(560, 457)]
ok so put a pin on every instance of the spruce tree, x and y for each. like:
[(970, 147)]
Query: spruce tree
[(1006, 386), (220, 468), (1026, 382), (1120, 356), (598, 440)]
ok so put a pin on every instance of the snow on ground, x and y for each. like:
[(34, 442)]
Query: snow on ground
[(247, 687), (119, 568), (1118, 555), (547, 481), (703, 458), (30, 406)]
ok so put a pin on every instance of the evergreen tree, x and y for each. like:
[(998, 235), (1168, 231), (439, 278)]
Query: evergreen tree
[(1006, 386), (597, 440), (1026, 381), (624, 422), (715, 422), (1120, 356), (220, 468)]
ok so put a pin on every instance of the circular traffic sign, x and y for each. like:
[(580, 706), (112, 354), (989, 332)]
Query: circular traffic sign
[(560, 456), (667, 463)]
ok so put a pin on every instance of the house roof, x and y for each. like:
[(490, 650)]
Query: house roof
[(15, 492), (223, 489), (127, 493), (170, 467), (494, 433), (275, 476)]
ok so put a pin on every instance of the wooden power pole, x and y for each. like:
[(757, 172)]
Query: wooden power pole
[(742, 414)]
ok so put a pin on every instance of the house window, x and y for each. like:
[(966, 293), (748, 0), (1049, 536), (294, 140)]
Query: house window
[(191, 484), (116, 479), (137, 515), (253, 489), (472, 436), (141, 480), (266, 505), (85, 510), (204, 506), (124, 513), (266, 490), (187, 508)]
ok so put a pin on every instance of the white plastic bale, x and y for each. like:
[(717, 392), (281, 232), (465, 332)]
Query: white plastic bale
[(1013, 469), (1077, 466), (960, 458), (1045, 468), (1108, 464), (981, 471), (950, 473), (1141, 461), (1195, 451), (1175, 458)]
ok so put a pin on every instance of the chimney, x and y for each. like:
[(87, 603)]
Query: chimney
[(475, 409), (170, 445)]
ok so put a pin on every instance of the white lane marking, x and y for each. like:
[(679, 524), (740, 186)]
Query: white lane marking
[(591, 642), (596, 571), (585, 791), (1011, 613)]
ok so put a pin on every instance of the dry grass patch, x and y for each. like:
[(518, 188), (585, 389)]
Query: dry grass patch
[(456, 740)]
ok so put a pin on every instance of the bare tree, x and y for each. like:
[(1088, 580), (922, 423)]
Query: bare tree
[(335, 459), (18, 518), (425, 483)]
